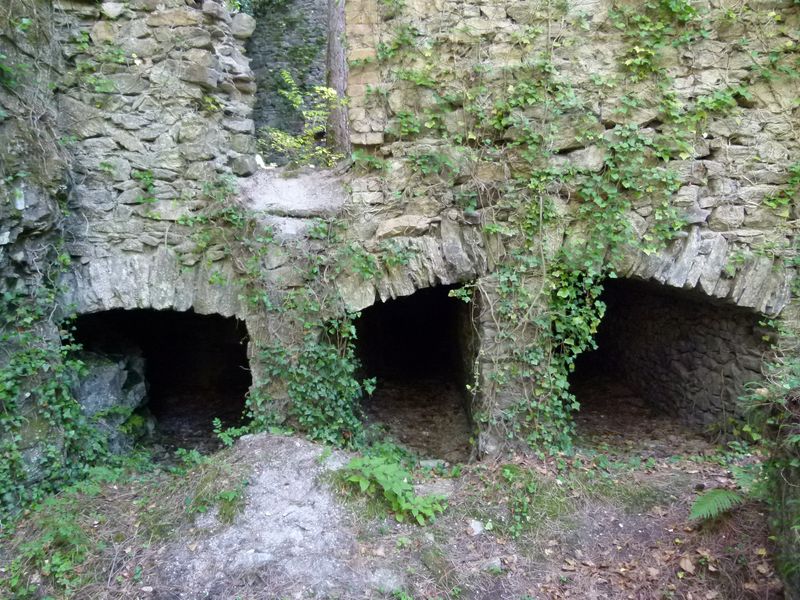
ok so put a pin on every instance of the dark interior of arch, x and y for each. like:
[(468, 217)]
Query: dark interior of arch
[(196, 366), (675, 351), (420, 350)]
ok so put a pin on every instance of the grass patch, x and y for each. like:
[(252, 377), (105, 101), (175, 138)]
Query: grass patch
[(99, 537)]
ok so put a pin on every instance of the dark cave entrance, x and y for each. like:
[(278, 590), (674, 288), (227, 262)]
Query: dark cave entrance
[(667, 360), (195, 366), (420, 350)]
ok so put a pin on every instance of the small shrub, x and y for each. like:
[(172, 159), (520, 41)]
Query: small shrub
[(309, 146), (385, 477)]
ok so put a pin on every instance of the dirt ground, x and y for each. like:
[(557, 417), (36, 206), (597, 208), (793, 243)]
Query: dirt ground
[(185, 422), (426, 416), (609, 521)]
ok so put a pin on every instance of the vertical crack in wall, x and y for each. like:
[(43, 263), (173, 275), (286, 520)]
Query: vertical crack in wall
[(290, 35)]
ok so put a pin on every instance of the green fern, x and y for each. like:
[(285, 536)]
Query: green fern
[(714, 503)]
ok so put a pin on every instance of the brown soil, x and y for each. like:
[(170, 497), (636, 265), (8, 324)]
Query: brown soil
[(185, 422), (616, 526), (427, 416), (608, 522)]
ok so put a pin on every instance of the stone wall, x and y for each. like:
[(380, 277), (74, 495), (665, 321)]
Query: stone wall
[(737, 161), (683, 354), (156, 102), (33, 184), (32, 163), (156, 106), (407, 60)]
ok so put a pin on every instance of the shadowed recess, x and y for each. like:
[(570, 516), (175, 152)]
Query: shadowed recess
[(195, 365), (667, 351), (420, 350)]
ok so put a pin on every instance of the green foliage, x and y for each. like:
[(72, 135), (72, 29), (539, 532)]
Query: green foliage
[(773, 409), (314, 107), (72, 542), (391, 8), (385, 477), (790, 193), (463, 293), (10, 73), (147, 182), (365, 161), (714, 503), (649, 26), (395, 254), (228, 435), (210, 104), (404, 38), (37, 408), (354, 257), (433, 163), (406, 124), (321, 382)]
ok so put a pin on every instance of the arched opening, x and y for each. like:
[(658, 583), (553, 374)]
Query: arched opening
[(420, 350), (666, 353), (195, 367)]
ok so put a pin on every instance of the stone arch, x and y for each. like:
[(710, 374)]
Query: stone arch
[(177, 370), (158, 281), (706, 261)]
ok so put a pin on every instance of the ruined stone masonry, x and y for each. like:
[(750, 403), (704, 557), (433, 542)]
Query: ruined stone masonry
[(177, 91)]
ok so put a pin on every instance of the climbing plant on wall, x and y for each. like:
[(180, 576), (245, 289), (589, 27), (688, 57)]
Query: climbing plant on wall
[(464, 117)]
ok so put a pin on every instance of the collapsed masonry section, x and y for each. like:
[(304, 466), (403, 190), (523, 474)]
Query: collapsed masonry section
[(291, 36), (678, 352), (420, 349), (195, 368)]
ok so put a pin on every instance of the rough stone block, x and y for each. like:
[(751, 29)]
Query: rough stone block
[(726, 218), (216, 11), (406, 225), (243, 26), (112, 10), (176, 17), (103, 32)]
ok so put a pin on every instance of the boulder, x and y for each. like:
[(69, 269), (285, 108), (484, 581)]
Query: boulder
[(112, 388)]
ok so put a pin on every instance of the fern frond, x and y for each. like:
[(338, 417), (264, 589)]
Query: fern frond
[(713, 503)]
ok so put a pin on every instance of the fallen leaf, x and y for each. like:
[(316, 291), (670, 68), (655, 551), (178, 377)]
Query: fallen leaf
[(687, 565), (652, 572), (761, 551), (763, 569), (712, 594)]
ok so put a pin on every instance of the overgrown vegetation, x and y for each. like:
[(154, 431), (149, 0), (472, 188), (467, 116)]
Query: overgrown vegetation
[(101, 534), (774, 409), (547, 308), (309, 146), (386, 476), (38, 413)]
